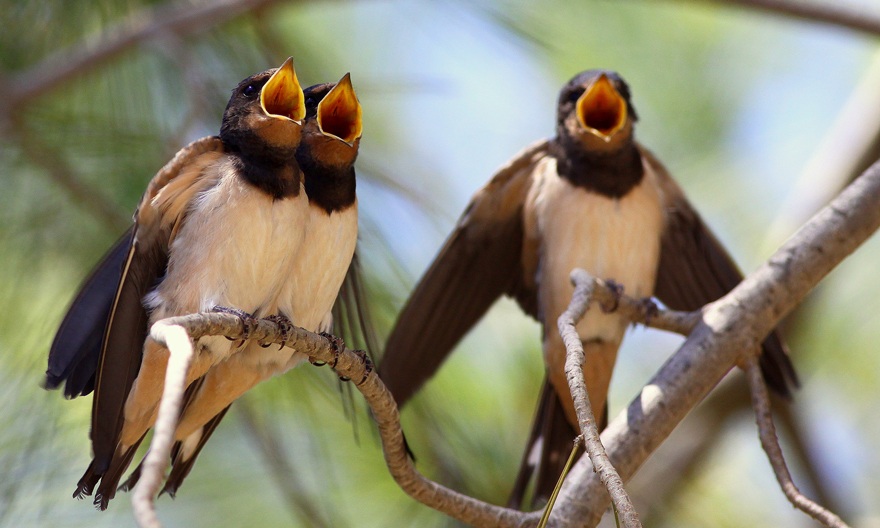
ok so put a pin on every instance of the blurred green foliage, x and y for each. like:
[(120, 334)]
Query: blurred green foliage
[(733, 101)]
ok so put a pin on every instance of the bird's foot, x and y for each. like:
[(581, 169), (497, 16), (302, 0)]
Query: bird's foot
[(285, 326), (338, 346), (648, 308), (368, 367), (248, 322), (616, 293)]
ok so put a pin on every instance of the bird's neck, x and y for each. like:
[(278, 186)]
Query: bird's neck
[(330, 188), (611, 173), (278, 176)]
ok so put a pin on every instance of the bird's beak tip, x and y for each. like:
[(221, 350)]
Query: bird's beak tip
[(282, 94), (601, 109), (340, 114)]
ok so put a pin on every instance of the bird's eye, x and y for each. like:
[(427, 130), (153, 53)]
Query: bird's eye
[(310, 101), (250, 90)]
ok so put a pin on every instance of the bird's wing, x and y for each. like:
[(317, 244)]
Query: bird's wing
[(695, 270), (157, 220), (73, 356), (180, 465), (480, 261)]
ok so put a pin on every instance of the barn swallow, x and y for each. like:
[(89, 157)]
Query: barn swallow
[(326, 154), (218, 227), (592, 198)]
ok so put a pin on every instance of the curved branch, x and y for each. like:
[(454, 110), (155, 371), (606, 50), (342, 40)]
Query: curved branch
[(177, 334), (574, 373), (729, 328), (149, 23), (825, 13), (767, 432)]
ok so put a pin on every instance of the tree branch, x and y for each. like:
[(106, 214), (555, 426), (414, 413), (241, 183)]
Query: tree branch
[(729, 327), (179, 18), (827, 13), (177, 334), (767, 433), (574, 373)]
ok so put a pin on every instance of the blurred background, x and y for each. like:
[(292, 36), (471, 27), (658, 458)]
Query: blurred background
[(761, 117)]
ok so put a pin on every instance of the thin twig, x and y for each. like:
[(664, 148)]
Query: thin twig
[(347, 363), (770, 443), (643, 310), (180, 348), (574, 372), (178, 18), (826, 13)]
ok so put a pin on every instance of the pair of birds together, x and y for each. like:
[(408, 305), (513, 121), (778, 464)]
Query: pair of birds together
[(263, 219)]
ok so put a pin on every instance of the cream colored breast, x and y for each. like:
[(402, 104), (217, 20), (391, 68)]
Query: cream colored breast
[(611, 238), (320, 267), (235, 249)]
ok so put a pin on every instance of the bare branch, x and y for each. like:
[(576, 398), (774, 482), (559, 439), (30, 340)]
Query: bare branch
[(181, 19), (181, 353), (177, 334), (730, 327), (643, 310), (827, 13), (767, 433), (574, 372)]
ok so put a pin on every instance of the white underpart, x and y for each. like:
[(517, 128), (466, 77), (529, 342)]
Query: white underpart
[(235, 249), (319, 270), (312, 284), (611, 238)]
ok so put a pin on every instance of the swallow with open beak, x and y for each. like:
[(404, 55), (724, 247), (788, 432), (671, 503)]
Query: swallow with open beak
[(219, 228), (326, 154), (591, 198)]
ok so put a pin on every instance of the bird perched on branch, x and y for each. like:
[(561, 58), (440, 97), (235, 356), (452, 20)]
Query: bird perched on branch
[(593, 198), (326, 155), (225, 225)]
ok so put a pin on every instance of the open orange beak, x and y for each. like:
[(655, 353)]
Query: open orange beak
[(339, 113), (282, 95), (601, 109)]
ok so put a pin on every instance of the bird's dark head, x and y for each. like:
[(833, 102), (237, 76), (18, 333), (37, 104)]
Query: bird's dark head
[(595, 110), (265, 113), (333, 124)]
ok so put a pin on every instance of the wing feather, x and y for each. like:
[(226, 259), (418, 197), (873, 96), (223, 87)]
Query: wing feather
[(480, 261), (695, 270)]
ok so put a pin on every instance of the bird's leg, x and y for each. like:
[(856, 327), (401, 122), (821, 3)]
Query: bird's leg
[(285, 325), (248, 322)]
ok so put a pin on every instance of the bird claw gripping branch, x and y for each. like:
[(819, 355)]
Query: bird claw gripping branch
[(617, 290), (368, 366), (248, 322), (338, 346), (285, 325)]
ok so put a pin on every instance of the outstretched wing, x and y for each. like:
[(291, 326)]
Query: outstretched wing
[(695, 270), (73, 356), (480, 261)]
